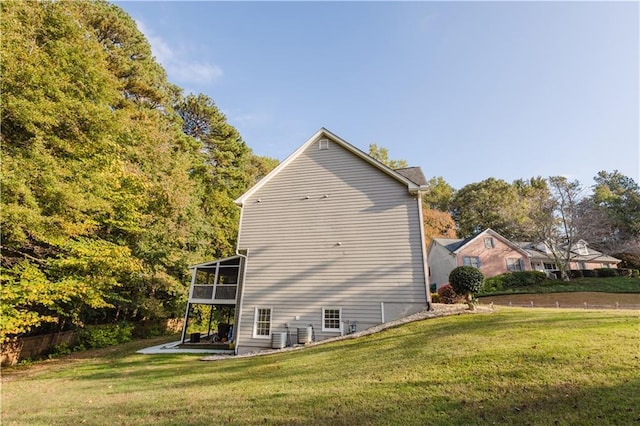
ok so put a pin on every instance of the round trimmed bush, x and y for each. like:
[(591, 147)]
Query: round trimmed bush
[(466, 280)]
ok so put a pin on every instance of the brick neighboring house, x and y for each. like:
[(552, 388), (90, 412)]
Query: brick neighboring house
[(581, 257), (488, 251)]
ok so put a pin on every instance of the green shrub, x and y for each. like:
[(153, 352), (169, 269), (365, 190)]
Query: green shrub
[(446, 294), (100, 336), (59, 350), (589, 273), (624, 272), (606, 272), (527, 278), (575, 273), (466, 279), (514, 280), (493, 284)]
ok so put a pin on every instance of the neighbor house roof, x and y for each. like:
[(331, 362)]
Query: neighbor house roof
[(451, 244), (591, 256), (412, 185), (454, 245)]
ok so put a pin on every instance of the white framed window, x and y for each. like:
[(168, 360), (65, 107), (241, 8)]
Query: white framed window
[(262, 323), (489, 242), (515, 264), (471, 261), (331, 319), (323, 144)]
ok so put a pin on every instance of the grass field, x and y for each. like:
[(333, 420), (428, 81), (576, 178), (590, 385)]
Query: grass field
[(605, 285), (514, 366)]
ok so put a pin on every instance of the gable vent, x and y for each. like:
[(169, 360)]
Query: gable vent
[(323, 144)]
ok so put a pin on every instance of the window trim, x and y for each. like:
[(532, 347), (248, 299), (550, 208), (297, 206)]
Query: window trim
[(489, 242), (477, 260), (517, 266), (255, 322), (335, 330)]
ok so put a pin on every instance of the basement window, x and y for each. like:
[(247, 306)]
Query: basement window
[(331, 319)]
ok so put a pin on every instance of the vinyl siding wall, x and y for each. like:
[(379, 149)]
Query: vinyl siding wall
[(331, 231), (441, 262)]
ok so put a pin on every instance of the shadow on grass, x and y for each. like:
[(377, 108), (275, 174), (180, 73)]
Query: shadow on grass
[(412, 403)]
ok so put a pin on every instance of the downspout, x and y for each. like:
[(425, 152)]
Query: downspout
[(241, 289), (424, 249)]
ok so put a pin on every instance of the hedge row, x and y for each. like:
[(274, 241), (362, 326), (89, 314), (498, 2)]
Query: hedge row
[(514, 279), (603, 273)]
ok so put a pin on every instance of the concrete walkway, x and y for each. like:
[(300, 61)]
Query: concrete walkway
[(172, 348)]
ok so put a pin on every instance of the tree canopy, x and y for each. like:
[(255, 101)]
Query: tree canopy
[(113, 181), (382, 155)]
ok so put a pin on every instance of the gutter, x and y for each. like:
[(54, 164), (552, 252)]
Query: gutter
[(425, 265)]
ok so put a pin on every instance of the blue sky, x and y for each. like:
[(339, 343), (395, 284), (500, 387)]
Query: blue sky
[(466, 90)]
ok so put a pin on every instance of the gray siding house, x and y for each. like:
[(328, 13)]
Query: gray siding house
[(331, 240)]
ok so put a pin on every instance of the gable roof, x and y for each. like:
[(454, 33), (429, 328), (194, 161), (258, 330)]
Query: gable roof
[(454, 245), (412, 186), (414, 174), (451, 244)]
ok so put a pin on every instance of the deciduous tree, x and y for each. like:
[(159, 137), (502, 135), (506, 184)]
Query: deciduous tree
[(491, 203)]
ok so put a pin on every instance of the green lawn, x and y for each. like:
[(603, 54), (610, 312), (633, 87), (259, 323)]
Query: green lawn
[(514, 366), (606, 285)]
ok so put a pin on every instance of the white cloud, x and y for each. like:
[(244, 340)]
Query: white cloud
[(251, 119), (191, 71), (178, 66)]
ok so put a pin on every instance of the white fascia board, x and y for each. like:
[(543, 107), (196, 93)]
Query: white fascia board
[(213, 262), (412, 187)]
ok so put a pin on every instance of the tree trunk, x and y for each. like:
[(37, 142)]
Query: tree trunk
[(472, 306)]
